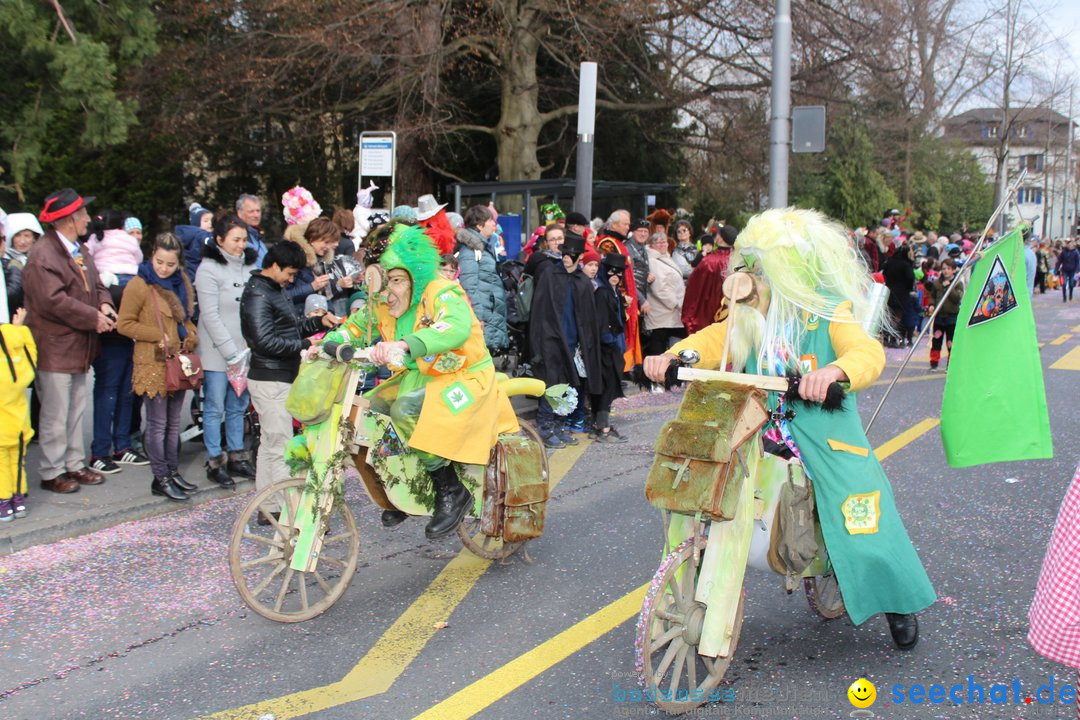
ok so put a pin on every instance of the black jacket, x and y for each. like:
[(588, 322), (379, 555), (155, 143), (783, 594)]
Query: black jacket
[(899, 275), (13, 283), (552, 360), (275, 335)]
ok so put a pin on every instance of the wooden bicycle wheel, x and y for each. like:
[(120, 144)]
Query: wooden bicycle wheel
[(669, 628), (260, 555), (823, 595), (495, 548)]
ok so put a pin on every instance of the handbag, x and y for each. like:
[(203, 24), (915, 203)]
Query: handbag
[(183, 371)]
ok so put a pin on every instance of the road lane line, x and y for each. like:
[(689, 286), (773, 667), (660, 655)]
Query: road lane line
[(502, 681), (395, 650), (475, 697), (905, 438), (1061, 339), (1076, 329), (1068, 361)]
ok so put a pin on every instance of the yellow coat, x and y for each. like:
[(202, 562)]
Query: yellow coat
[(860, 356), (14, 403), (464, 409)]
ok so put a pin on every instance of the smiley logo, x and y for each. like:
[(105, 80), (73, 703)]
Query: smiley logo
[(862, 693)]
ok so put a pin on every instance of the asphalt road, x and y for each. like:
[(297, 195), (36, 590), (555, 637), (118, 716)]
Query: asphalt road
[(141, 620)]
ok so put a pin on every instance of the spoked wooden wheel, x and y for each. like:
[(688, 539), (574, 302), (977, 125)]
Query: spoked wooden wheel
[(260, 555), (669, 628), (495, 548), (823, 595)]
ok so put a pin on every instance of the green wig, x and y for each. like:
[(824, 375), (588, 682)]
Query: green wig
[(811, 267), (411, 250)]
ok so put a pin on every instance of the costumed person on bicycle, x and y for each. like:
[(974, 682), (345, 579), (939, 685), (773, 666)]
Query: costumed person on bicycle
[(442, 398), (817, 287)]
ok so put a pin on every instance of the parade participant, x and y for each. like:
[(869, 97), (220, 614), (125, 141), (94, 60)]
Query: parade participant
[(432, 216), (611, 303), (443, 398), (612, 238), (704, 289), (818, 289)]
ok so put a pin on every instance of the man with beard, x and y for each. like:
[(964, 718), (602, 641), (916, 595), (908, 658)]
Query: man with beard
[(564, 335)]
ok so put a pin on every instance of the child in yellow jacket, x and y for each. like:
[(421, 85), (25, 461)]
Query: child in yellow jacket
[(17, 369)]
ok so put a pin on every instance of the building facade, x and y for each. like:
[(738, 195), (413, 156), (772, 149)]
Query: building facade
[(1039, 141)]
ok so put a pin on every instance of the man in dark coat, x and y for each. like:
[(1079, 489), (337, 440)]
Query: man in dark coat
[(67, 306), (563, 333)]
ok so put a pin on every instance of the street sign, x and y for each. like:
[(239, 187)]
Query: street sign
[(378, 161), (808, 129)]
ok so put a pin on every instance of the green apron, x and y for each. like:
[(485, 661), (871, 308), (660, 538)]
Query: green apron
[(876, 565)]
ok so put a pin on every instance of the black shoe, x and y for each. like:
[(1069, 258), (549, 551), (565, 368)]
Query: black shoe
[(393, 518), (904, 629), (183, 484), (240, 466), (167, 488), (553, 441), (104, 465), (452, 503), (215, 472)]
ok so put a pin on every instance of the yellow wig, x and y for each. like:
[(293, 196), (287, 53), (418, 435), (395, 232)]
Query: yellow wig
[(811, 267)]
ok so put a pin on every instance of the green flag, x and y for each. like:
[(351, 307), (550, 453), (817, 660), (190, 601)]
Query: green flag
[(994, 407)]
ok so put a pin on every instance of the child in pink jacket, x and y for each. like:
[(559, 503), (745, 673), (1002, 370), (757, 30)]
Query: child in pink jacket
[(116, 253)]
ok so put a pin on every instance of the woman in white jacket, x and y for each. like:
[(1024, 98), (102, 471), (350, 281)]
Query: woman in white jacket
[(666, 291), (226, 265)]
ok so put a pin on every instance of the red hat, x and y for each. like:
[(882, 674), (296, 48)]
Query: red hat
[(590, 256), (61, 204)]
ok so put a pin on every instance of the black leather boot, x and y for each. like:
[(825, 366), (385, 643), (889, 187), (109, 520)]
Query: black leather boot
[(183, 484), (167, 488), (215, 472), (904, 629), (240, 464), (452, 502), (392, 518)]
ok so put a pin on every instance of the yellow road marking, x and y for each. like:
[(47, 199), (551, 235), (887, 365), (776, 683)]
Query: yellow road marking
[(402, 642), (910, 435), (1076, 329), (501, 682), (475, 697), (1068, 361), (1061, 339), (913, 378)]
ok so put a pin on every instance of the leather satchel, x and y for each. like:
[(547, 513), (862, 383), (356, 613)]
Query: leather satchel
[(183, 371)]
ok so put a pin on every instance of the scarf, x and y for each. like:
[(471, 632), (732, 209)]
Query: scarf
[(174, 284)]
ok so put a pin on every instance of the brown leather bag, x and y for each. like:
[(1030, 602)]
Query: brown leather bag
[(183, 371)]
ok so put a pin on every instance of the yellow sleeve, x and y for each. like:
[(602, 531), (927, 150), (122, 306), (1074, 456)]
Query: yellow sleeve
[(708, 342), (860, 356)]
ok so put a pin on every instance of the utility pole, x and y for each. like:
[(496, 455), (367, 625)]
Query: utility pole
[(780, 106), (1065, 232), (586, 128)]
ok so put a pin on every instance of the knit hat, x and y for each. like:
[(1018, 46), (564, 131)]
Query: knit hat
[(576, 218), (590, 256), (456, 221), (404, 212), (315, 302), (195, 213), (132, 223)]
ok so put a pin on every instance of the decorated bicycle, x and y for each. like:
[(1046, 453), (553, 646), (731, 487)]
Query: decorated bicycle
[(768, 466), (438, 438)]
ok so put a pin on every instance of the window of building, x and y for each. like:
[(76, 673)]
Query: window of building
[(990, 131), (1032, 163), (1029, 196), (1022, 131)]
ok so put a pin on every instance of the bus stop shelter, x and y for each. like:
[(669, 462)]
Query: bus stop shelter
[(553, 190)]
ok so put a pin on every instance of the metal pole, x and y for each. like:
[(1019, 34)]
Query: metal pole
[(457, 198), (780, 106), (1003, 158), (586, 128), (966, 269), (1068, 170)]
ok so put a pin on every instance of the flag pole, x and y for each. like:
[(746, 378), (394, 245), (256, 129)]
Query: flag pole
[(959, 277)]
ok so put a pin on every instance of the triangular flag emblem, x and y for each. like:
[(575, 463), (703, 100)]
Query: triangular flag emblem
[(997, 296)]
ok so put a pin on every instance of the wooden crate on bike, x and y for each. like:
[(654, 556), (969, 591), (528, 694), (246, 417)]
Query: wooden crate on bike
[(515, 490), (696, 469)]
